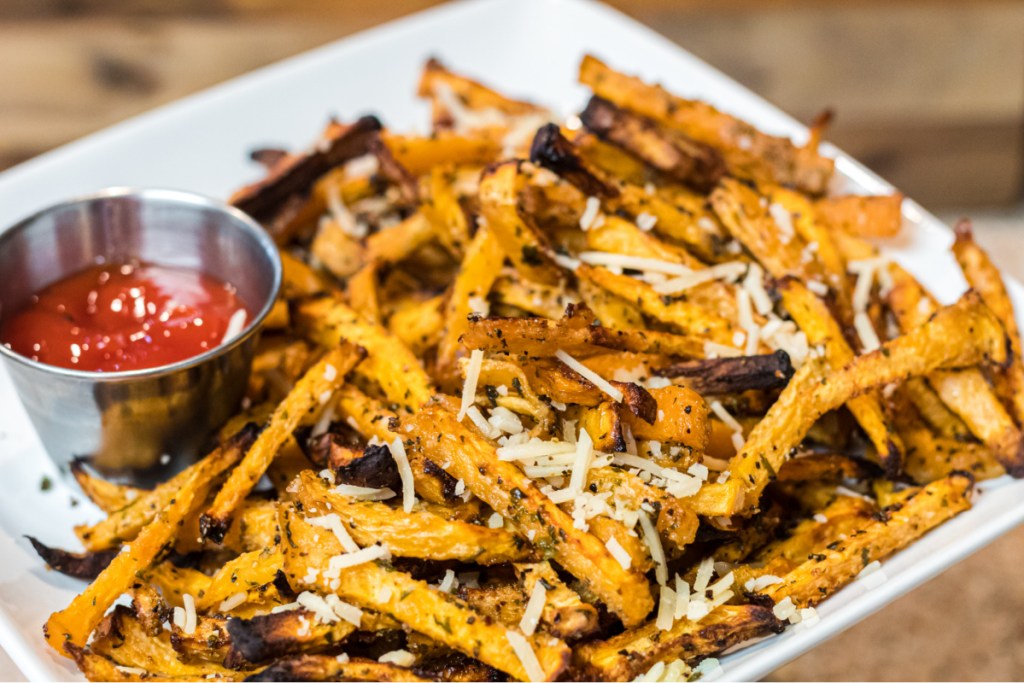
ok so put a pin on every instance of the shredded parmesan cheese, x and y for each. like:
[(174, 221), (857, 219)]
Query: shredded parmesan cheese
[(367, 554), (333, 524), (345, 611), (869, 340), (753, 284), (232, 601), (618, 552), (582, 461), (654, 546), (189, 603), (364, 492), (448, 582), (476, 359), (666, 609), (641, 263), (761, 582), (646, 221), (527, 657), (398, 658), (534, 608), (591, 217), (397, 449), (589, 375), (481, 423)]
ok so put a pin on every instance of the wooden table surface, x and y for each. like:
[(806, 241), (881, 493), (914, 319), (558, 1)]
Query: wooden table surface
[(73, 66)]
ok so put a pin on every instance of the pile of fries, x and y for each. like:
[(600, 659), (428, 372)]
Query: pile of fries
[(542, 402)]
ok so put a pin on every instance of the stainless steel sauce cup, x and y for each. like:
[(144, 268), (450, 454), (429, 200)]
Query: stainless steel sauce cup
[(140, 425)]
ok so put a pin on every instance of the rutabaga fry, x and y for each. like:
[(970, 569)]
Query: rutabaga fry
[(832, 568), (748, 152), (328, 321), (480, 268), (441, 616), (674, 154), (76, 622), (374, 420), (813, 317), (125, 523), (633, 652), (983, 276), (311, 392), (435, 431), (863, 216), (418, 534), (963, 334), (966, 392), (527, 248)]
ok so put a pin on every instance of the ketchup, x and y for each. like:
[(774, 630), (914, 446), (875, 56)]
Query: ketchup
[(131, 316)]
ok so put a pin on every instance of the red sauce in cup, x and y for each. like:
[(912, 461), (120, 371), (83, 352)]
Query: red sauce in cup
[(109, 318)]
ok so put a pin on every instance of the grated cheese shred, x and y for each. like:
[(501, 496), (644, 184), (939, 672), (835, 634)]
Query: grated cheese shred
[(589, 375), (534, 608), (397, 449)]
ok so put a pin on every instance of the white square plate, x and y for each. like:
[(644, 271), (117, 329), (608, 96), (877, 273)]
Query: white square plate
[(526, 48)]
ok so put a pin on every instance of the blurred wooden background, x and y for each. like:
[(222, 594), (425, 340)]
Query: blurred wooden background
[(929, 93)]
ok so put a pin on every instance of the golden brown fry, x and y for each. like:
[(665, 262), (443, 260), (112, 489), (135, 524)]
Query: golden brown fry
[(842, 517), (682, 418), (748, 152), (685, 316), (126, 522), (398, 242), (565, 615), (510, 493), (963, 334), (363, 295), (470, 94), (931, 408), (527, 248), (632, 653), (930, 457), (863, 216), (76, 622), (418, 323), (813, 317), (540, 300), (435, 614), (419, 155), (107, 495), (442, 209), (966, 392), (479, 270), (328, 321), (777, 247), (984, 277), (339, 252), (417, 534), (252, 573), (311, 392), (832, 568), (298, 279)]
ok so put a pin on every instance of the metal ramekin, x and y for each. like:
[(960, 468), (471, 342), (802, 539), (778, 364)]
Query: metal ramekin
[(138, 425)]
